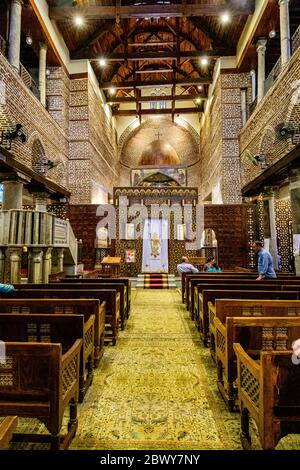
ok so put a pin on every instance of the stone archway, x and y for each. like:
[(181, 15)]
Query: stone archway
[(38, 161)]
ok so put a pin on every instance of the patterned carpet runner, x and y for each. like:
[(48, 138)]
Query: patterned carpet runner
[(156, 281)]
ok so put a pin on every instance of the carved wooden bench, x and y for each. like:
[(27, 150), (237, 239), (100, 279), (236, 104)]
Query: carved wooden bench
[(276, 284), (38, 381), (83, 307), (255, 285), (63, 329), (7, 428), (210, 298), (269, 392), (82, 284), (110, 296), (104, 281), (258, 328)]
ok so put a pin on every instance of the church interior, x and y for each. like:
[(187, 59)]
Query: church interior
[(149, 166)]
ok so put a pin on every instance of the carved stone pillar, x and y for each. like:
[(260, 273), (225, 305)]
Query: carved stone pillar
[(15, 34), (2, 264), (41, 201), (15, 265), (47, 264), (261, 71), (42, 72), (35, 265), (285, 35), (60, 259), (12, 195)]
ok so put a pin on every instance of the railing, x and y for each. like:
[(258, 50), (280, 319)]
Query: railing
[(34, 229), (296, 40), (28, 81), (273, 75), (3, 45), (276, 70), (73, 244)]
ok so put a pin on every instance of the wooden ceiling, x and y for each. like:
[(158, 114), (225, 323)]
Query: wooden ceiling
[(163, 48)]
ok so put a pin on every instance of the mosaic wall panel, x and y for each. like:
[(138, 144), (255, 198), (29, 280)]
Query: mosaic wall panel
[(284, 233), (219, 139)]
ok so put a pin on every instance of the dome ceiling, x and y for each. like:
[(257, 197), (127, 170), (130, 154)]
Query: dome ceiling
[(159, 152)]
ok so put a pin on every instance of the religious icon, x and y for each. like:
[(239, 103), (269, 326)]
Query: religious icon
[(155, 245), (130, 256)]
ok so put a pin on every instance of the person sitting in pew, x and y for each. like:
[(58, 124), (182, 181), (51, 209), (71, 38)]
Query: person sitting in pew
[(209, 260), (6, 288), (265, 263), (186, 267), (214, 267)]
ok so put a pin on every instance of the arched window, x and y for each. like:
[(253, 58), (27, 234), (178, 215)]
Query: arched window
[(38, 157), (153, 104), (162, 103)]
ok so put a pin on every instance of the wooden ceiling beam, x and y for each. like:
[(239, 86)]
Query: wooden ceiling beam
[(151, 44), (103, 12), (163, 55), (156, 83), (148, 99), (132, 112)]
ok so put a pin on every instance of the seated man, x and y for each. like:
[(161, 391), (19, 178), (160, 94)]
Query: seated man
[(186, 267), (6, 288)]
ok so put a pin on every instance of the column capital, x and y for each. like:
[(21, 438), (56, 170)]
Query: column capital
[(283, 2), (17, 2), (43, 45), (261, 45)]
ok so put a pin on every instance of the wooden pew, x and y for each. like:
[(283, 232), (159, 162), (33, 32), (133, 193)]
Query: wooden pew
[(203, 308), (75, 286), (85, 307), (242, 321), (208, 295), (202, 275), (192, 282), (110, 296), (104, 281), (7, 428), (38, 381), (63, 329), (211, 296), (269, 392)]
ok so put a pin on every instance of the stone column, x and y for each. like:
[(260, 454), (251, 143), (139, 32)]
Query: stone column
[(15, 266), (295, 206), (35, 265), (253, 84), (14, 41), (285, 35), (12, 195), (42, 72), (2, 264), (60, 260), (47, 264), (261, 72), (41, 201)]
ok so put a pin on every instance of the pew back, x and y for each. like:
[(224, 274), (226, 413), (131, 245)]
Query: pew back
[(85, 307), (268, 391), (254, 334)]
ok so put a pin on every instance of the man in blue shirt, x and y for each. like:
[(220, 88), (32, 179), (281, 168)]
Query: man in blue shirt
[(265, 263), (6, 288), (186, 267)]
